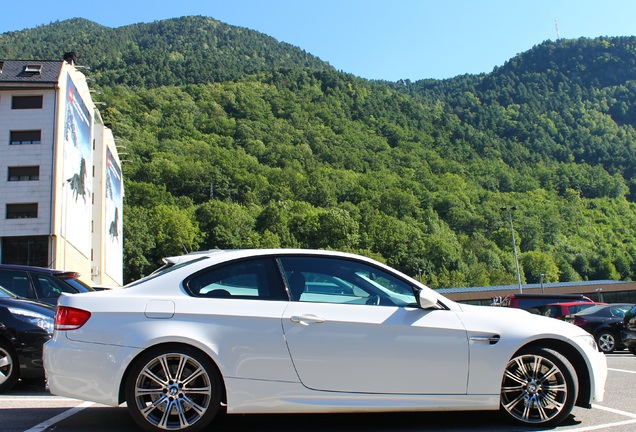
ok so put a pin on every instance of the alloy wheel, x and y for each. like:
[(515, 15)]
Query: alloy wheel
[(173, 391), (606, 342), (8, 368), (538, 387)]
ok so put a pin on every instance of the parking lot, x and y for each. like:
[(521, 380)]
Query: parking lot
[(28, 407)]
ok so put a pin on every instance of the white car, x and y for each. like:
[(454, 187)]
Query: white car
[(302, 331)]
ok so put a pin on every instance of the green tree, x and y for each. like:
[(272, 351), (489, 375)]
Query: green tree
[(537, 263)]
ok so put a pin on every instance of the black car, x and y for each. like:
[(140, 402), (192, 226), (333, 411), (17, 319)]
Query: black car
[(25, 325), (40, 283), (605, 322), (629, 330)]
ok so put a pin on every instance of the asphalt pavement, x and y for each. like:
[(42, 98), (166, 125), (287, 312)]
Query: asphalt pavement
[(29, 408)]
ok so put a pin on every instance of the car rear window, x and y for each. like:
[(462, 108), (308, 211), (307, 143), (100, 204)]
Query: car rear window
[(163, 270)]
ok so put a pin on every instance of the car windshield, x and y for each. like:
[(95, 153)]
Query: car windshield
[(581, 307), (617, 310), (79, 285), (591, 310)]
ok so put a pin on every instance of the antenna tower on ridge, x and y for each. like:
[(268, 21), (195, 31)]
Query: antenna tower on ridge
[(556, 26)]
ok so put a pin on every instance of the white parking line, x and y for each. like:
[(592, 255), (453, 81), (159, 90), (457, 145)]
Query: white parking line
[(621, 370), (615, 411), (50, 422), (603, 426), (608, 425)]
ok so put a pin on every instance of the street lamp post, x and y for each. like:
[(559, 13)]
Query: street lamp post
[(514, 243)]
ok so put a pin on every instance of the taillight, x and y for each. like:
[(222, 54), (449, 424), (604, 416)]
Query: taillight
[(580, 321), (68, 318)]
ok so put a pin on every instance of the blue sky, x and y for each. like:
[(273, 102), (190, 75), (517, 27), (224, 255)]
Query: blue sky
[(389, 39)]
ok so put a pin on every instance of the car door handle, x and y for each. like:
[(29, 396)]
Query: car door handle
[(490, 339), (307, 319)]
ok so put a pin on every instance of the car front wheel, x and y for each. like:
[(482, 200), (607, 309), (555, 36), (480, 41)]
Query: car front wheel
[(173, 388), (606, 341), (539, 388)]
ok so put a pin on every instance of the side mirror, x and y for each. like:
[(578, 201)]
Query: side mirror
[(426, 299)]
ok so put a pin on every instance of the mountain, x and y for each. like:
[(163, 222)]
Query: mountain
[(564, 101), (187, 50), (236, 140)]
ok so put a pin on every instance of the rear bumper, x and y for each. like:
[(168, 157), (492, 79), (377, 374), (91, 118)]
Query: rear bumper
[(86, 371)]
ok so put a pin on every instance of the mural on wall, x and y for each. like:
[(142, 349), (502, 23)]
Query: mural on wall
[(78, 158), (113, 216)]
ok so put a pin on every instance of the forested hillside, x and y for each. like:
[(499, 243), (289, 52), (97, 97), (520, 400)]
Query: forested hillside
[(236, 140)]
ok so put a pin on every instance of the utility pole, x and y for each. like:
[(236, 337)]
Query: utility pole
[(556, 26), (514, 243)]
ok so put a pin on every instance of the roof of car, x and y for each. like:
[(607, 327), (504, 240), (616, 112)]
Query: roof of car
[(29, 268), (35, 269)]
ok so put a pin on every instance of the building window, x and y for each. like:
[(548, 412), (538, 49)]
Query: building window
[(22, 211), (25, 250), (26, 102), (33, 69), (25, 173), (25, 137)]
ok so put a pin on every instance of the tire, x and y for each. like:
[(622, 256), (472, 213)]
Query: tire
[(539, 388), (632, 349), (606, 341), (174, 388), (9, 367)]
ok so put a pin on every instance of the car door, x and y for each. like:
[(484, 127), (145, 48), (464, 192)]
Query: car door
[(342, 338), (239, 306)]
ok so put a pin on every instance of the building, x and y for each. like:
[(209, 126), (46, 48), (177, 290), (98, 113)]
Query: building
[(608, 291), (61, 188)]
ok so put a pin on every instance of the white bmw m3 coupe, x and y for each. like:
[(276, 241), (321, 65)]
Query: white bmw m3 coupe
[(302, 331)]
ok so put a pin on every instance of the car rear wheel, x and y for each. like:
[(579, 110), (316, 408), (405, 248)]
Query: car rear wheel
[(606, 341), (632, 349), (173, 388), (9, 366), (539, 388)]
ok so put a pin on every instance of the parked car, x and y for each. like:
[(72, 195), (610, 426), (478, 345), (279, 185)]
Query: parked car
[(560, 310), (629, 330), (605, 322), (25, 325), (534, 301), (302, 331), (38, 283)]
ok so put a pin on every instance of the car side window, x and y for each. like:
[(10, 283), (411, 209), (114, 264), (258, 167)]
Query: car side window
[(48, 286), (333, 280), (17, 282), (247, 279)]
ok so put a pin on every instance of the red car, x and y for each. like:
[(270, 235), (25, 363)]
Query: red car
[(559, 310)]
